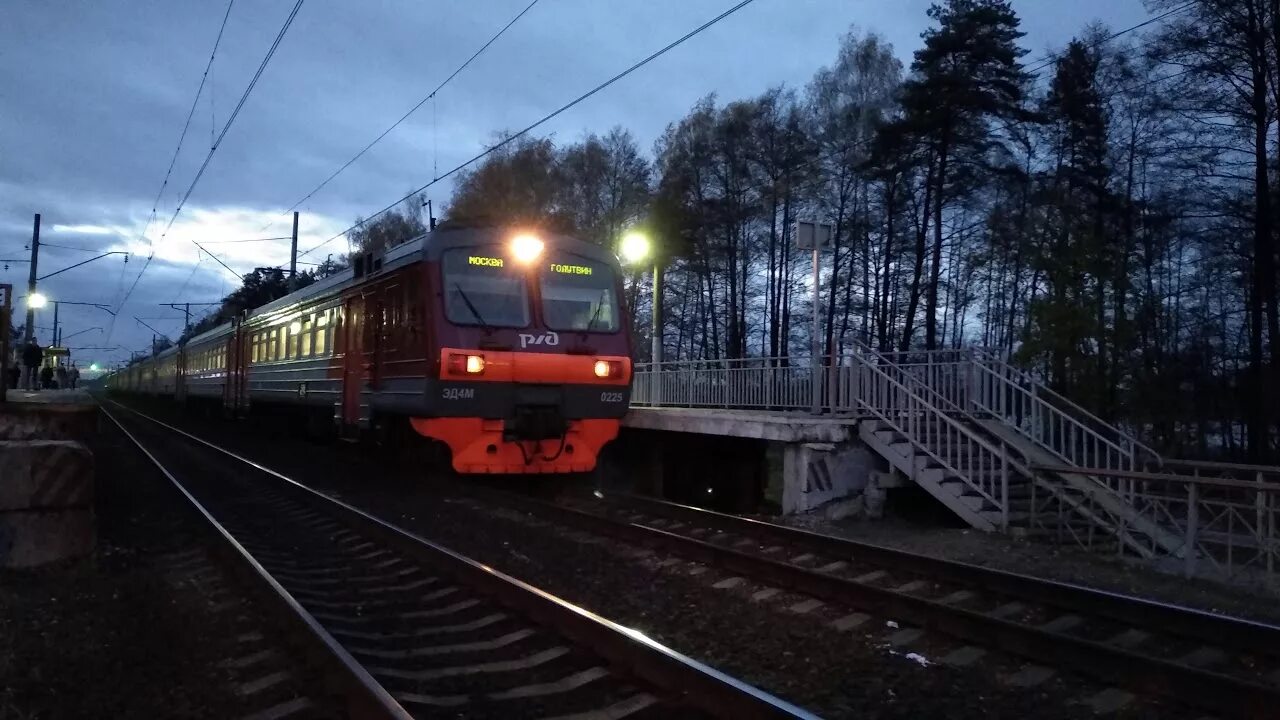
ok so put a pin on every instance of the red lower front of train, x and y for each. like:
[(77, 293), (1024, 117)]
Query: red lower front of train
[(534, 412)]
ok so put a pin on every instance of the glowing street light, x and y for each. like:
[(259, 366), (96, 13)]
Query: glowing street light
[(36, 301), (635, 247)]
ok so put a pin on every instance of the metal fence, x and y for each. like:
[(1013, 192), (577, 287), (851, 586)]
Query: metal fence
[(1227, 525), (769, 383)]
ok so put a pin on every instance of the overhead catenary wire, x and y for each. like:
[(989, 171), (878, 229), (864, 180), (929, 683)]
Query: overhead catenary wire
[(209, 156), (430, 96), (187, 124), (1050, 58), (548, 117), (231, 119)]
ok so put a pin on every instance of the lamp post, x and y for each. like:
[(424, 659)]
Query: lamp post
[(815, 236), (35, 300), (636, 248)]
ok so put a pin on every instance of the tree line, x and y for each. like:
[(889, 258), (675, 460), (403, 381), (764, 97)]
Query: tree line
[(1104, 215)]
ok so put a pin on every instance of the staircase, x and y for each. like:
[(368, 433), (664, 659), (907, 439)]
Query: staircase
[(972, 432)]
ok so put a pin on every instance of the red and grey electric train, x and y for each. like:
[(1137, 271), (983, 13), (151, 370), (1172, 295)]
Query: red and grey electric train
[(512, 348)]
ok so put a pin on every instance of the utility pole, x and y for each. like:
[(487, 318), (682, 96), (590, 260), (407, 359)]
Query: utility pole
[(54, 342), (293, 255), (31, 282)]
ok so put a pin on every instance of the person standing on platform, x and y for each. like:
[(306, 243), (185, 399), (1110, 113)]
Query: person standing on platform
[(63, 381), (74, 372), (31, 357), (46, 377)]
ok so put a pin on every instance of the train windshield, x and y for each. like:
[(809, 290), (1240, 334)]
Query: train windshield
[(481, 287), (578, 294)]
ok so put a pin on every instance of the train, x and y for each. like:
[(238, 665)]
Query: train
[(511, 348)]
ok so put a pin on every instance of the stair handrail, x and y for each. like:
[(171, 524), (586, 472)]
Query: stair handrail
[(1001, 370), (999, 455), (885, 361)]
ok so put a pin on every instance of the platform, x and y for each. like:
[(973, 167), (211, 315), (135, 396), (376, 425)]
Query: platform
[(758, 425), (48, 415)]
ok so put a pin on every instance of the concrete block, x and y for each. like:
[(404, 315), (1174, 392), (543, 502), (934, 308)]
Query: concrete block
[(814, 474), (33, 421), (37, 474), (34, 538)]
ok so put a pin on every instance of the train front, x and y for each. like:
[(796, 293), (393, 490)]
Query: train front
[(531, 351)]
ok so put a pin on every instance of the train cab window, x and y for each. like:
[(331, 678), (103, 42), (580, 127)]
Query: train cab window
[(578, 294), (482, 287)]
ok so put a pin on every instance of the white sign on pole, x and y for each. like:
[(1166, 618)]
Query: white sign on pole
[(809, 233)]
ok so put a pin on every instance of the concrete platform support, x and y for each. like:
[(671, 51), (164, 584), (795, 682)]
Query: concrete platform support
[(46, 479), (844, 477)]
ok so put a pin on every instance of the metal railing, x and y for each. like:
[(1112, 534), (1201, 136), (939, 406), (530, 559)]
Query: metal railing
[(882, 390), (1052, 421), (770, 383), (1227, 525)]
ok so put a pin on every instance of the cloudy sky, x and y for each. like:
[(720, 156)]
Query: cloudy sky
[(93, 95)]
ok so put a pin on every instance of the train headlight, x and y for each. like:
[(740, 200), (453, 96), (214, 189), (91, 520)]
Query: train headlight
[(466, 364), (526, 248), (607, 368)]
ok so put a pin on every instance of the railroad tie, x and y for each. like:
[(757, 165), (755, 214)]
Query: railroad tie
[(497, 666), (870, 577), (963, 657), (1062, 623), (765, 594), (254, 687), (805, 606), (1203, 656), (1109, 701), (849, 622), (620, 709), (1129, 639), (957, 597), (283, 710), (1030, 676)]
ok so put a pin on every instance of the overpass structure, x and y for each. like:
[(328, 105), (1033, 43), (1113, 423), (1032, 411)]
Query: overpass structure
[(989, 441)]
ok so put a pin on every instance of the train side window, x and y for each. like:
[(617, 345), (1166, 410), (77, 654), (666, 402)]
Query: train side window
[(304, 349), (322, 333), (273, 344), (290, 342), (256, 348)]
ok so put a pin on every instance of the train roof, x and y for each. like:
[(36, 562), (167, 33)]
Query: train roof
[(428, 246)]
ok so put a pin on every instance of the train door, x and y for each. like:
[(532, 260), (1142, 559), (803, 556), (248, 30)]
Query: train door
[(180, 375), (233, 389), (353, 360)]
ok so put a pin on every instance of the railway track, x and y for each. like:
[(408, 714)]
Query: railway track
[(406, 628), (1229, 667)]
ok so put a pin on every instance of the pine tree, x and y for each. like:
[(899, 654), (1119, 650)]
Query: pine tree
[(965, 77)]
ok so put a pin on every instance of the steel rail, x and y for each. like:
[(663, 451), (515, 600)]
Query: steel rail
[(365, 695), (694, 683), (1240, 633), (1110, 664)]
